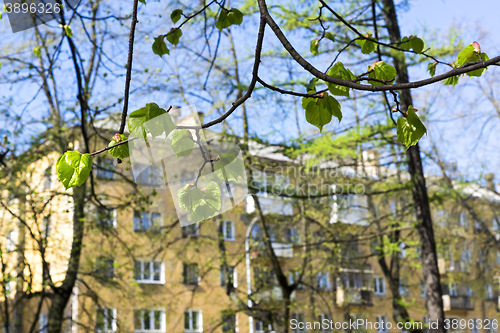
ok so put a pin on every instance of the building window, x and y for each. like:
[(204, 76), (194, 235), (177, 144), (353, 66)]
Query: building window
[(104, 268), (423, 290), (463, 220), (327, 319), (382, 322), (232, 274), (260, 327), (149, 321), (270, 231), (43, 323), (193, 321), (264, 278), (295, 277), (379, 285), (105, 320), (404, 290), (147, 221), (488, 291), (292, 236), (323, 281), (105, 168), (106, 217), (192, 230), (190, 274), (10, 241), (228, 230), (402, 250), (426, 325), (148, 271), (475, 325), (229, 322), (46, 226), (300, 323), (493, 325), (452, 289), (47, 179)]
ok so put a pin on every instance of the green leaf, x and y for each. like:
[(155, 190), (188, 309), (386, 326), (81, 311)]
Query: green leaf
[(230, 167), (159, 46), (73, 168), (228, 18), (367, 45), (202, 204), (37, 52), (162, 124), (478, 72), (319, 111), (452, 80), (68, 31), (174, 35), (466, 55), (340, 72), (412, 42), (330, 36), (314, 46), (176, 15), (120, 151), (410, 128), (143, 1), (431, 67), (182, 143), (381, 71)]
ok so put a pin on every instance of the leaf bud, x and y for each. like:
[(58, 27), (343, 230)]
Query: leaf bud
[(477, 48)]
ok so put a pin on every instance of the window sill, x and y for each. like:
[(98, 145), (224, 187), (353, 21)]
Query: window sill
[(230, 239), (149, 282)]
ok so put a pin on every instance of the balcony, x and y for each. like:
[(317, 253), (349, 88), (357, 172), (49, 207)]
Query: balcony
[(457, 303), (357, 297), (282, 250)]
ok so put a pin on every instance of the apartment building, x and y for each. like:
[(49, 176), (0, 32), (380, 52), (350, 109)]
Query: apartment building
[(141, 271)]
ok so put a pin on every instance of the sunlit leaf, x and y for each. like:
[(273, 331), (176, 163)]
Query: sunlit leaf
[(410, 128), (73, 168)]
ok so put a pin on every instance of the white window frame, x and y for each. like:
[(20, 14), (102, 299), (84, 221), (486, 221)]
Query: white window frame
[(186, 227), (10, 243), (323, 281), (151, 271), (452, 289), (297, 316), (151, 320), (224, 231), (150, 219), (235, 276), (113, 221), (198, 277), (383, 327), (106, 314), (269, 327), (200, 321), (236, 324), (379, 283)]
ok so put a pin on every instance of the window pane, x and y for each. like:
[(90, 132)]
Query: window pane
[(147, 320), (99, 322), (157, 271), (137, 320), (137, 220), (187, 320), (147, 270), (137, 270), (109, 319), (196, 322), (145, 221), (157, 320), (156, 220)]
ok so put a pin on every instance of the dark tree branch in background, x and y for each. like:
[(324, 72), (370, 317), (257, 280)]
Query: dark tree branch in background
[(129, 67)]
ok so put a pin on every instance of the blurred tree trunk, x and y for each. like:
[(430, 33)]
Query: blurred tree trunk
[(434, 300)]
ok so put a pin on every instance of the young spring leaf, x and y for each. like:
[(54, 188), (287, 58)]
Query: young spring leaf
[(68, 31), (367, 45), (160, 47), (176, 15), (480, 71), (73, 168), (340, 72), (466, 55), (319, 111), (120, 151), (151, 111), (451, 81), (431, 67), (381, 71), (330, 36), (229, 167), (314, 46), (410, 128), (174, 35), (36, 51), (228, 18), (412, 42), (182, 143), (202, 204)]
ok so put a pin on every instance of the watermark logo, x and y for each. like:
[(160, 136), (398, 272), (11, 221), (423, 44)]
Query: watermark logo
[(25, 14), (172, 153)]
